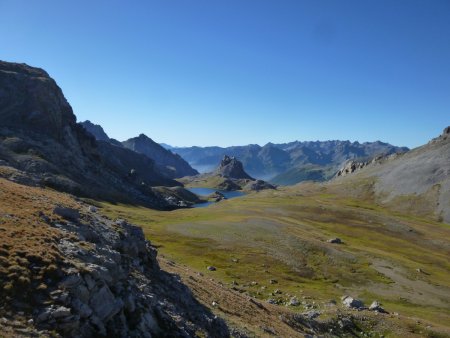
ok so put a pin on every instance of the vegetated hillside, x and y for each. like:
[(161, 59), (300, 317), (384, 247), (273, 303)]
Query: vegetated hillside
[(173, 165), (303, 173), (67, 271), (417, 182), (297, 250), (289, 162), (41, 144)]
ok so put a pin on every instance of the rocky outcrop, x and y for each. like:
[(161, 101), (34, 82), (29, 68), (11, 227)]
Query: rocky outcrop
[(30, 99), (105, 282), (229, 184), (230, 167), (352, 166), (40, 138), (258, 185), (172, 165), (216, 196)]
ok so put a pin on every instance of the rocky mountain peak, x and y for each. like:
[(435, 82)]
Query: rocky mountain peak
[(232, 168), (172, 165), (95, 130), (31, 100)]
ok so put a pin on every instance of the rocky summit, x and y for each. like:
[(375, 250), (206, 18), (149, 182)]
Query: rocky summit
[(230, 167), (172, 165)]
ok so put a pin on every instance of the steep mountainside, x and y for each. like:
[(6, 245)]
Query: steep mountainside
[(170, 164), (289, 161), (417, 181), (173, 165), (41, 144)]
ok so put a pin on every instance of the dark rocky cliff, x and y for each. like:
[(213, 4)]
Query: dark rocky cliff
[(40, 139)]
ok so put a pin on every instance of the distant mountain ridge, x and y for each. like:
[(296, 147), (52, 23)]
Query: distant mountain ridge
[(293, 159), (170, 164)]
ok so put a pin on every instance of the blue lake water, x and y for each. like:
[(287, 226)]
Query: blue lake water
[(203, 192)]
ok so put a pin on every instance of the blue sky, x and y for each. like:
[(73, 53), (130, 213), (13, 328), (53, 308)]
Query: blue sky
[(248, 71)]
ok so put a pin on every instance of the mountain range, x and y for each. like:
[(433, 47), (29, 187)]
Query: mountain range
[(288, 163), (70, 265)]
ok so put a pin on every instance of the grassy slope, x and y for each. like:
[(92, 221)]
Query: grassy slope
[(282, 235)]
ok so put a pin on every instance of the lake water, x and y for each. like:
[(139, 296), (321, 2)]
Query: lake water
[(203, 192)]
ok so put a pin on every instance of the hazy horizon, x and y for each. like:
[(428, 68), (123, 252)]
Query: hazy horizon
[(237, 145), (238, 73)]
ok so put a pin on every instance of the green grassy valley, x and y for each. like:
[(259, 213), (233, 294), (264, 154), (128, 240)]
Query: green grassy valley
[(273, 245)]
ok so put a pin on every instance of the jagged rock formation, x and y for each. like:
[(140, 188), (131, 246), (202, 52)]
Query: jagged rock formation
[(79, 274), (290, 162), (173, 165), (40, 138), (351, 166), (230, 167)]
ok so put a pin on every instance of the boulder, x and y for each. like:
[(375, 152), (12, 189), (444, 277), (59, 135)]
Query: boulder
[(352, 303), (294, 301), (67, 213), (376, 306), (259, 185), (104, 304), (61, 312), (335, 240)]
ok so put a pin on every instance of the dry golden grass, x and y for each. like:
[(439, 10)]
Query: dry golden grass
[(29, 256)]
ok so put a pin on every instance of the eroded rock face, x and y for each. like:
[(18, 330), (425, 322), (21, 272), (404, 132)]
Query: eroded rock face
[(111, 285), (350, 167)]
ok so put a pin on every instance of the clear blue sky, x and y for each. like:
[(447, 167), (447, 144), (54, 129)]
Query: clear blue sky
[(246, 71)]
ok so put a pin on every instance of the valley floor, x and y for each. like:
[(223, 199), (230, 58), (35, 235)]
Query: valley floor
[(273, 245)]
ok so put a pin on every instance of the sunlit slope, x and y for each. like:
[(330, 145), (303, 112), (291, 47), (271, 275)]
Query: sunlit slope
[(282, 235), (417, 182)]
